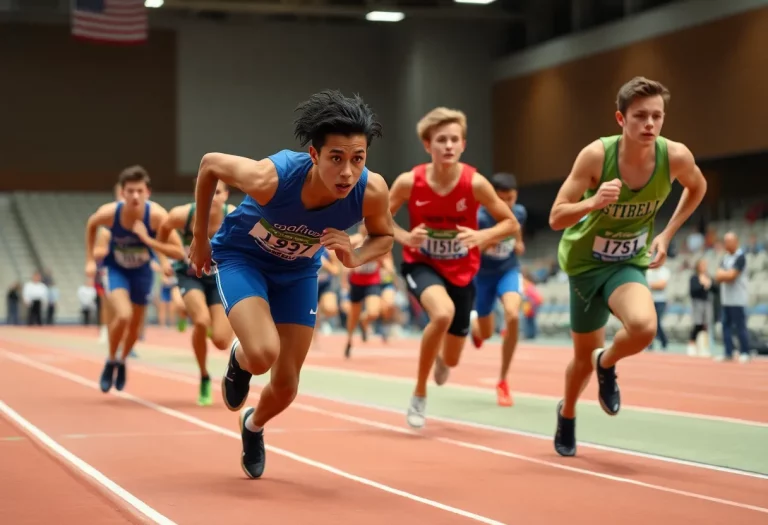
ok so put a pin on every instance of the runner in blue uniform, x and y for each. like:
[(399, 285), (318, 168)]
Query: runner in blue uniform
[(132, 223), (500, 277), (266, 254)]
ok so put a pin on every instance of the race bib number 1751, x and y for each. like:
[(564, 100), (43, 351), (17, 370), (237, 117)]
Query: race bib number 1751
[(619, 247)]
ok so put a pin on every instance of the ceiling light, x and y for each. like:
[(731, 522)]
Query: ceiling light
[(384, 16), (481, 2), (153, 3)]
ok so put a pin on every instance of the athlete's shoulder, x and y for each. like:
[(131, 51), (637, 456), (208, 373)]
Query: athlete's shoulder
[(376, 191), (680, 158), (677, 151), (286, 161), (591, 157), (403, 183)]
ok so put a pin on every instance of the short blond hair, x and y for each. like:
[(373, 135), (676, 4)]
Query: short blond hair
[(640, 87), (439, 117)]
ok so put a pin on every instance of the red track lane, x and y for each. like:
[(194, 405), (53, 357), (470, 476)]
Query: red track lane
[(655, 381), (469, 479), (195, 478), (36, 488)]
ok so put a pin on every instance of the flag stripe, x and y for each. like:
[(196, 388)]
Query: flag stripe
[(110, 20)]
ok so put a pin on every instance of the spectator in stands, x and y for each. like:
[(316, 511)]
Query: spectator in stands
[(12, 301), (734, 297), (701, 287), (34, 295), (86, 294), (53, 299), (658, 278), (755, 245)]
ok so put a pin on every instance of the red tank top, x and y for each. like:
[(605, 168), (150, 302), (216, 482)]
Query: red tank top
[(368, 274), (441, 214)]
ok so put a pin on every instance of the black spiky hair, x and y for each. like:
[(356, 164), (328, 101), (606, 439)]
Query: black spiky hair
[(329, 112)]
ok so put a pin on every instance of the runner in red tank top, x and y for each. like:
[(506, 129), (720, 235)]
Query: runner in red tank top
[(364, 290), (441, 252)]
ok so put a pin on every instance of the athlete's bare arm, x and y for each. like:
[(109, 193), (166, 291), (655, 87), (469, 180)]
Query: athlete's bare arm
[(101, 247), (683, 167), (506, 222), (399, 194), (176, 219), (257, 178), (569, 208), (168, 248), (378, 221), (104, 216)]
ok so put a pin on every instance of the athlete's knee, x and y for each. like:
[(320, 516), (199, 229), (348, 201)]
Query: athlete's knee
[(641, 327), (221, 338), (261, 354), (442, 316), (201, 320), (285, 387), (512, 318)]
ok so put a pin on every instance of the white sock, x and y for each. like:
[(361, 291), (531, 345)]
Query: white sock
[(250, 425)]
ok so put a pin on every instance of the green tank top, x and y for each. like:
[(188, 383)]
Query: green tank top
[(621, 232), (187, 235)]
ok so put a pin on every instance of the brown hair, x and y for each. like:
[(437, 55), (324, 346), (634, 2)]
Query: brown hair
[(439, 117), (640, 87), (134, 174)]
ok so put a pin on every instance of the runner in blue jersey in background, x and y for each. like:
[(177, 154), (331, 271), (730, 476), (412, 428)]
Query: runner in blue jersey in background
[(267, 252), (132, 223), (500, 277)]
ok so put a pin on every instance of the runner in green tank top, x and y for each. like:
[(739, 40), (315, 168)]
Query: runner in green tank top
[(199, 297), (607, 207)]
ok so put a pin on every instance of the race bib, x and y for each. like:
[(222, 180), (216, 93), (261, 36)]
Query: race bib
[(442, 244), (502, 250), (618, 246), (131, 257), (285, 245)]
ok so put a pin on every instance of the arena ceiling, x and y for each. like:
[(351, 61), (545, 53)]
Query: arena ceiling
[(497, 10)]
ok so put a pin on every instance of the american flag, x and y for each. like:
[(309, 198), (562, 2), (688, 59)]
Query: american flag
[(115, 21)]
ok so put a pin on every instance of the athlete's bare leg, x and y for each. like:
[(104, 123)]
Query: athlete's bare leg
[(120, 304), (353, 318), (197, 309), (440, 309), (259, 342), (279, 393), (134, 329), (221, 331), (632, 303), (579, 370), (372, 311), (284, 376), (512, 302)]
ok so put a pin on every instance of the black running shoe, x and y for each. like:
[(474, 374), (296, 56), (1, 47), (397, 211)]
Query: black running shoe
[(235, 383), (565, 436), (254, 455), (348, 350), (107, 376), (120, 379), (608, 387)]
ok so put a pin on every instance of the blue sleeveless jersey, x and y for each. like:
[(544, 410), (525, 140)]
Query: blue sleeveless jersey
[(126, 250), (283, 235), (502, 257)]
